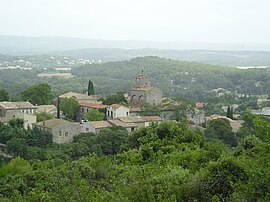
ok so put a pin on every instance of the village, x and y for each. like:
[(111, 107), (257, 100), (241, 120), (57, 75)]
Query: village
[(129, 116)]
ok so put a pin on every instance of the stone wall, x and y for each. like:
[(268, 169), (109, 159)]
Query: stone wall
[(65, 133)]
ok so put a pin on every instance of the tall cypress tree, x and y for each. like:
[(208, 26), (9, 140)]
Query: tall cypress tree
[(228, 112), (231, 112), (91, 90), (58, 107)]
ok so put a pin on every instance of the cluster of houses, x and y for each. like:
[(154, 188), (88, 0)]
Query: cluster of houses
[(128, 117), (63, 131)]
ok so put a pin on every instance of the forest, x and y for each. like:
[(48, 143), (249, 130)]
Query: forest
[(165, 162), (175, 78)]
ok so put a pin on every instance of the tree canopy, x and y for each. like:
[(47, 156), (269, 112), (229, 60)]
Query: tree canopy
[(4, 96), (39, 94)]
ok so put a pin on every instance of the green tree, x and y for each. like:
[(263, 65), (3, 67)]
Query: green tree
[(228, 112), (70, 107), (94, 115), (112, 140), (117, 98), (3, 95), (90, 89), (220, 129), (43, 116), (40, 94)]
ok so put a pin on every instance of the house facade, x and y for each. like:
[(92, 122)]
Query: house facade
[(87, 106), (8, 108), (62, 131), (115, 111)]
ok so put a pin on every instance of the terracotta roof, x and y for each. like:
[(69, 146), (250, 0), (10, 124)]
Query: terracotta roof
[(200, 104), (78, 96), (124, 125), (151, 118), (52, 123), (94, 105), (100, 124), (115, 106), (17, 105)]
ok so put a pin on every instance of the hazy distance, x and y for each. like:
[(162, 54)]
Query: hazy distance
[(244, 23)]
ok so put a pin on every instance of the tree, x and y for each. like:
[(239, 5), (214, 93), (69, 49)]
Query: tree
[(112, 140), (90, 90), (220, 129), (40, 94), (228, 112), (3, 95), (43, 116), (94, 115), (117, 98), (70, 107)]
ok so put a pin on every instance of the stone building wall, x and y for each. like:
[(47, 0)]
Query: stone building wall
[(65, 133)]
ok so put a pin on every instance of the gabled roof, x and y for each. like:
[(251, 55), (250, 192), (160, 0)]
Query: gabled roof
[(94, 105), (115, 106), (100, 124), (17, 105), (52, 123), (124, 125)]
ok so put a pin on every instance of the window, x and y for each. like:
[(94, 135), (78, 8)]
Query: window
[(132, 129), (86, 129), (82, 109), (60, 133), (111, 113), (66, 134), (127, 113)]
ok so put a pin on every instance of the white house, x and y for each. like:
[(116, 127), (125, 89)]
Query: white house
[(115, 110), (266, 111)]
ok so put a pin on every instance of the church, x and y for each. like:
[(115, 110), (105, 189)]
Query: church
[(144, 93)]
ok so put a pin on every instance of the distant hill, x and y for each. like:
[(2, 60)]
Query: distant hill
[(225, 58), (109, 50), (19, 44)]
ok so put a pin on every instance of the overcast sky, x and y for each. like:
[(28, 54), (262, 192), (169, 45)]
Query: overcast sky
[(237, 21)]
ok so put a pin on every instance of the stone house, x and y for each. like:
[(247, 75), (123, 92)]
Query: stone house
[(144, 93), (63, 131), (115, 110), (94, 126), (29, 119), (9, 108), (87, 106)]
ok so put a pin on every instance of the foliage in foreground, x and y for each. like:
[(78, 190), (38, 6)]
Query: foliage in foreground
[(166, 162)]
